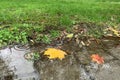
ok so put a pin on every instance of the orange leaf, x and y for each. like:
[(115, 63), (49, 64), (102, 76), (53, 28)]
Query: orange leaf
[(53, 53), (97, 58)]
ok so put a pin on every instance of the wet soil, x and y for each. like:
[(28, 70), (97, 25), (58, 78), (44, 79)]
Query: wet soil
[(78, 65)]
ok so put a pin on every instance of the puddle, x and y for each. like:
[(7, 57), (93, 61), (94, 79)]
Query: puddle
[(22, 69)]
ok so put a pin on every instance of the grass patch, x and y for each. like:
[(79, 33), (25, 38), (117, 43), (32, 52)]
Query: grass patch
[(26, 18)]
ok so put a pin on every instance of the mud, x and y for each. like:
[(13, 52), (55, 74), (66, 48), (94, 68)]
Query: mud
[(78, 65)]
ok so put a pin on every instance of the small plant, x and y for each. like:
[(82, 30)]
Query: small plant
[(18, 33), (54, 33), (46, 39), (36, 56)]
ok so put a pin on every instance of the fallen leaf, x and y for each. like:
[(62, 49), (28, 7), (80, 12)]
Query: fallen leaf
[(69, 35), (53, 53), (116, 32), (97, 58), (109, 35), (82, 43)]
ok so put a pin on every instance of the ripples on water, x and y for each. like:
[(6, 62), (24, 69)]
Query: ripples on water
[(14, 58)]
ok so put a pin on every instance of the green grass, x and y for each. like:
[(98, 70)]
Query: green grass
[(28, 16), (12, 11)]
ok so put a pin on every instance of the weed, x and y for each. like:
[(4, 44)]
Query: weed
[(54, 33), (46, 39), (36, 56)]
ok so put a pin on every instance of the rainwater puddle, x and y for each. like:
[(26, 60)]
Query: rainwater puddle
[(22, 69)]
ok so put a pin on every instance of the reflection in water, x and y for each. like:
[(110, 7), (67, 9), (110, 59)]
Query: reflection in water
[(16, 62)]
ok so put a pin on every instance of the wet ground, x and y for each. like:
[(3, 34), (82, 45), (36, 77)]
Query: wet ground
[(77, 65), (20, 68)]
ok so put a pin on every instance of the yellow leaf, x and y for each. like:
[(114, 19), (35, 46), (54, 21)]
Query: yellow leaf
[(69, 35), (53, 53), (115, 32)]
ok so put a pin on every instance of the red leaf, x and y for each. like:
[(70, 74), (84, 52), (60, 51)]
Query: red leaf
[(97, 58)]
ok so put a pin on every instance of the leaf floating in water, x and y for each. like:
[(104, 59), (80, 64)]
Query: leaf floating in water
[(97, 58), (53, 53)]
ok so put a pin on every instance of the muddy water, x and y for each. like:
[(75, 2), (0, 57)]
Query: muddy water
[(20, 67)]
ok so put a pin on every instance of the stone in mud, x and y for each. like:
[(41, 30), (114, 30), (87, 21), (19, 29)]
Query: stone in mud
[(66, 69)]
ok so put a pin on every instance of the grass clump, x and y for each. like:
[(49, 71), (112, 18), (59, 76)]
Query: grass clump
[(28, 18)]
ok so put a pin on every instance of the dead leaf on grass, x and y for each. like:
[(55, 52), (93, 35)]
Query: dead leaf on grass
[(115, 31), (70, 35)]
